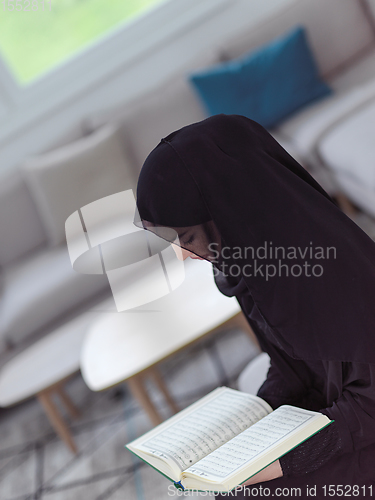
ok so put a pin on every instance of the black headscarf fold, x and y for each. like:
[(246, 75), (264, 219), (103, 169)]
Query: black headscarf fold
[(230, 172)]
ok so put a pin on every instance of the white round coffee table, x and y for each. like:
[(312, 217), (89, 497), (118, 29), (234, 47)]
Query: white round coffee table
[(128, 346), (42, 370)]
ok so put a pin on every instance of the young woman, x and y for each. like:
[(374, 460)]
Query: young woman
[(303, 273)]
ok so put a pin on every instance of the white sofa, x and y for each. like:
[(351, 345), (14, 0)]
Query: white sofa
[(342, 37), (39, 286)]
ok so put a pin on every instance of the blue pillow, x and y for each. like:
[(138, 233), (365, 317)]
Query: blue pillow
[(266, 85)]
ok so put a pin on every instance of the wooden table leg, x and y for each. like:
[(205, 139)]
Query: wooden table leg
[(73, 412), (345, 204), (139, 392), (158, 379), (56, 419)]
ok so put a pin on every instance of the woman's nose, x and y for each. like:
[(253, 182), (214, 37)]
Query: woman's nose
[(181, 253), (186, 254)]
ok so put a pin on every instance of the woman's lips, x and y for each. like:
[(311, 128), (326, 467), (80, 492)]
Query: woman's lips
[(203, 257)]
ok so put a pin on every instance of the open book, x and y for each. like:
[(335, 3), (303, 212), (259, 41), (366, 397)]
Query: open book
[(223, 439)]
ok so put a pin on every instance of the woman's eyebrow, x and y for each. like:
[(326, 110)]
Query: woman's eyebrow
[(182, 234)]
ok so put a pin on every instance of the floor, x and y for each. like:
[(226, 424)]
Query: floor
[(35, 464)]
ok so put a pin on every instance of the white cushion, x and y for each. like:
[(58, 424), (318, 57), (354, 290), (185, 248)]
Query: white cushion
[(255, 373), (72, 133), (359, 73), (352, 88), (338, 31), (169, 107), (41, 289), (21, 230), (63, 180), (350, 146)]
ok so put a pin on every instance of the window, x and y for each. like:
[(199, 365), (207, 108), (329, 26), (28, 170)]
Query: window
[(36, 35)]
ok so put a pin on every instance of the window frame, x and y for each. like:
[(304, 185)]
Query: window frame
[(95, 63)]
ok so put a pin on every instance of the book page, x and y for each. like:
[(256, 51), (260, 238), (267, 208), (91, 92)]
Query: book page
[(211, 425), (251, 443)]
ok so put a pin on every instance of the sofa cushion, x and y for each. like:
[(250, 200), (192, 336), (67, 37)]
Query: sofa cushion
[(350, 146), (352, 88), (21, 230), (338, 31), (41, 289), (72, 133), (154, 115), (69, 177), (266, 85)]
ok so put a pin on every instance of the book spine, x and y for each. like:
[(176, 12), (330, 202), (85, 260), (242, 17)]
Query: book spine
[(179, 486)]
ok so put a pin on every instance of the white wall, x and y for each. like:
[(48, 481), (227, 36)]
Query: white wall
[(119, 67)]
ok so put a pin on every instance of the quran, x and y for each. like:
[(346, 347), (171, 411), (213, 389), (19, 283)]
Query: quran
[(223, 439)]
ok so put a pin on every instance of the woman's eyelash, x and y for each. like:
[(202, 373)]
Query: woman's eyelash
[(190, 240)]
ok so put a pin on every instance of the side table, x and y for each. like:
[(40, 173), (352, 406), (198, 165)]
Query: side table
[(42, 369), (127, 347)]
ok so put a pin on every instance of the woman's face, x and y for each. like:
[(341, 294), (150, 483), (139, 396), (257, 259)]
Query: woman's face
[(194, 242)]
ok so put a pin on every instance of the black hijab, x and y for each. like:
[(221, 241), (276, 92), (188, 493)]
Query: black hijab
[(230, 174)]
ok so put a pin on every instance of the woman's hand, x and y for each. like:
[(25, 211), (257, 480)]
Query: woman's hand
[(271, 472)]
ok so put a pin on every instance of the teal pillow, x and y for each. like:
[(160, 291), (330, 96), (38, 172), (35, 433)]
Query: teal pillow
[(266, 85)]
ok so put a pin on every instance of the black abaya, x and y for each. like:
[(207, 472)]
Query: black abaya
[(226, 181)]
